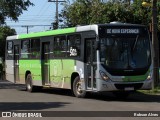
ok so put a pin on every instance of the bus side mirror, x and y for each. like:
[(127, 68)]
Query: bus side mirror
[(97, 45)]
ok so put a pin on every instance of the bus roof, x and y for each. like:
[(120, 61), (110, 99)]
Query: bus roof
[(54, 32), (44, 33), (69, 30)]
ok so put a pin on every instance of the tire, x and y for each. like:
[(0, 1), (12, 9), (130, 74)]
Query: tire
[(76, 88), (121, 94), (29, 85)]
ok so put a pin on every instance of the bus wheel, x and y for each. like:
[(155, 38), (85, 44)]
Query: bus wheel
[(29, 86), (78, 92)]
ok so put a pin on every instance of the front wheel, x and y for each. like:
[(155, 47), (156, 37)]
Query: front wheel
[(77, 88)]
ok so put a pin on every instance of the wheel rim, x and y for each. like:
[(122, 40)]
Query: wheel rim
[(29, 83), (79, 88)]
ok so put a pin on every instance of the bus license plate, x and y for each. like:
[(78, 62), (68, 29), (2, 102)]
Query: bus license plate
[(129, 88)]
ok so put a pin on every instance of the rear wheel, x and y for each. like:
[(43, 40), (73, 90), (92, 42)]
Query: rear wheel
[(29, 85), (77, 88)]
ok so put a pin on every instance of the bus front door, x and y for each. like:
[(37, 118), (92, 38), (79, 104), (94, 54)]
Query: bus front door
[(90, 67), (45, 63), (16, 63)]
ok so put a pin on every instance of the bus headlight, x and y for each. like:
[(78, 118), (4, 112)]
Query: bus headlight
[(149, 77), (103, 75)]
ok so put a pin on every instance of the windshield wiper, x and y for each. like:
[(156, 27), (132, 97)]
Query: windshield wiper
[(132, 50), (135, 43)]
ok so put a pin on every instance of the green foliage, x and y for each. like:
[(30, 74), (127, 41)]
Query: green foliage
[(12, 9), (4, 32), (94, 11), (155, 91)]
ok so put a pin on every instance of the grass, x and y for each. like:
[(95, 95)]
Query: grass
[(155, 91)]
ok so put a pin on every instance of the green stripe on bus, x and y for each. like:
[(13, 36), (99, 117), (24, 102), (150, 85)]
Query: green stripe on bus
[(58, 69), (32, 65), (47, 33), (136, 78)]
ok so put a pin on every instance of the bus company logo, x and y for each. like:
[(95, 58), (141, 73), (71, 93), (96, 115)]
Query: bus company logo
[(20, 114), (6, 114), (73, 51)]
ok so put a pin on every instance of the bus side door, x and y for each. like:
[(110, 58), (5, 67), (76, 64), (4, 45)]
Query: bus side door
[(45, 60), (90, 66), (16, 63)]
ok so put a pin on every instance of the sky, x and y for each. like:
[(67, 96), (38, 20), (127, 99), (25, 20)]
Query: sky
[(42, 13)]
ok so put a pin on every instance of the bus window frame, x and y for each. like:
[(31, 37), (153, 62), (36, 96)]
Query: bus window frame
[(53, 47), (21, 46), (8, 46), (69, 57), (31, 40), (9, 56), (80, 47)]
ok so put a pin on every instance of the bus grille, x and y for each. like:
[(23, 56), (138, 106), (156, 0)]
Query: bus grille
[(123, 86)]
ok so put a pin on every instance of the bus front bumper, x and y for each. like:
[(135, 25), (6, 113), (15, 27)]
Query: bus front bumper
[(127, 86)]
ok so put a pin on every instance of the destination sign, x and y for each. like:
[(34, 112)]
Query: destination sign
[(122, 31)]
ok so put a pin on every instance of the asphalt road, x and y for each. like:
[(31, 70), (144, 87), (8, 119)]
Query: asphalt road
[(14, 97)]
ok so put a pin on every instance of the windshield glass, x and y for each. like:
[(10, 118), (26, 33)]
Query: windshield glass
[(125, 53)]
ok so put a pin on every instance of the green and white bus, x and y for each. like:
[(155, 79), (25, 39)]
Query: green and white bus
[(92, 58)]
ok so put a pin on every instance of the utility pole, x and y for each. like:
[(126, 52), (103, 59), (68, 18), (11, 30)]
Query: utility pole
[(27, 26), (155, 45), (56, 23), (155, 42)]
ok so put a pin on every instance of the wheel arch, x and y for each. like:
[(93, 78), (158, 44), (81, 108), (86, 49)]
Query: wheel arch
[(27, 72), (73, 76)]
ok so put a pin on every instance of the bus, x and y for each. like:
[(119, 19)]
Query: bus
[(112, 57)]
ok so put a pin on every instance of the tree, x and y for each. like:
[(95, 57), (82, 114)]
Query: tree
[(4, 32), (12, 9), (80, 12), (95, 11)]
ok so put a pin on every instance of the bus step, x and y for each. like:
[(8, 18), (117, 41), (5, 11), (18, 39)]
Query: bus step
[(46, 86)]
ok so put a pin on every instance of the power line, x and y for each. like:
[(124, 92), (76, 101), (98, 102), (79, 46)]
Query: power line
[(39, 16), (31, 20), (42, 8), (27, 25), (55, 24)]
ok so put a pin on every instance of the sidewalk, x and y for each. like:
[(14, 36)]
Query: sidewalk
[(5, 84)]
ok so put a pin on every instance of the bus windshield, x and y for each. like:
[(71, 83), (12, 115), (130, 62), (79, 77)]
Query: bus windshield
[(127, 54)]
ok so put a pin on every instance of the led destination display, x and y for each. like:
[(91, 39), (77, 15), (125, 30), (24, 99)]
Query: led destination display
[(122, 31)]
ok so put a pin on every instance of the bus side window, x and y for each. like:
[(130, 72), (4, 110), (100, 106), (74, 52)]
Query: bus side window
[(10, 50), (35, 48), (25, 49), (74, 45), (60, 46)]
